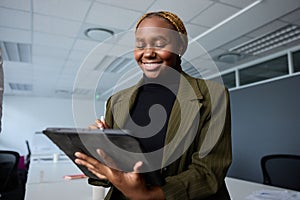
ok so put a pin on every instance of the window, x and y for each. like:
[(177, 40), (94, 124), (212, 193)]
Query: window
[(296, 61), (229, 80), (266, 70)]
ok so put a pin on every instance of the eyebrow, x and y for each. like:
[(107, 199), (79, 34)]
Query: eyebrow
[(159, 37)]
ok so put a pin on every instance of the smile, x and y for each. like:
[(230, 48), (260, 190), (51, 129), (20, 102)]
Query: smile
[(151, 66)]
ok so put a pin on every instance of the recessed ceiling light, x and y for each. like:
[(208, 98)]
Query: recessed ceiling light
[(98, 34), (229, 57)]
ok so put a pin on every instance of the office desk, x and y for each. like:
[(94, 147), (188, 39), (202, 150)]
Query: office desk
[(241, 189), (45, 181)]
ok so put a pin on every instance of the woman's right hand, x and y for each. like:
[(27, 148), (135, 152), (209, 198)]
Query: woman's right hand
[(99, 124)]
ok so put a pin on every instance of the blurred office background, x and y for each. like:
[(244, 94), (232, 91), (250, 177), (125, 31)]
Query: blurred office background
[(255, 46)]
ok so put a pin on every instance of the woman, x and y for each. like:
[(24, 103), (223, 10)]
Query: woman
[(194, 134)]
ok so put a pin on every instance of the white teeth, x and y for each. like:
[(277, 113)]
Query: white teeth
[(150, 64)]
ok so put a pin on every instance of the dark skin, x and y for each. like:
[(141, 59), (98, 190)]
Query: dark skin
[(155, 51)]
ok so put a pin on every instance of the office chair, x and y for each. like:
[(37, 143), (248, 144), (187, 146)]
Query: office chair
[(28, 156), (8, 171), (281, 170)]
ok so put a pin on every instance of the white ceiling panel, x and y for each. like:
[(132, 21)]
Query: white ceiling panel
[(48, 61), (52, 40), (41, 50), (235, 42), (186, 10), (138, 5), (14, 35), (214, 14), (267, 28), (238, 3), (109, 16), (85, 45), (292, 17), (18, 72), (17, 19), (17, 4), (69, 9), (53, 25), (78, 56), (195, 30)]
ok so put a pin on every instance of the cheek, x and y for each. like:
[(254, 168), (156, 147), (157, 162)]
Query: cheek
[(168, 56), (137, 54)]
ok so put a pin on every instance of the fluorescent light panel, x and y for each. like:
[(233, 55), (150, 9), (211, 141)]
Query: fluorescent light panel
[(17, 52), (269, 41), (20, 86)]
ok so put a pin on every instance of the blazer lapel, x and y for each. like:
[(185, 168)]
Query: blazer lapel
[(123, 103), (186, 106)]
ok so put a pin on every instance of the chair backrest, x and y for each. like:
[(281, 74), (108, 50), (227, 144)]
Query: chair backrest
[(27, 160), (8, 170), (281, 170)]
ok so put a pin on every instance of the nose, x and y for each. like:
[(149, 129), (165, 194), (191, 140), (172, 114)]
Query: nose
[(149, 52)]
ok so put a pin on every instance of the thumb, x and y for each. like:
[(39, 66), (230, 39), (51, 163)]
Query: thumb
[(137, 167)]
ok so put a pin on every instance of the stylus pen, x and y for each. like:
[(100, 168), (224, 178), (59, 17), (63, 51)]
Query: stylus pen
[(102, 120)]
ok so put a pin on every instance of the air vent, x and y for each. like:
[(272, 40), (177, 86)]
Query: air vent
[(269, 41), (17, 52), (114, 64), (20, 86)]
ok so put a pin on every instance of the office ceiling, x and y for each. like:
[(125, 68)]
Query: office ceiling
[(44, 42)]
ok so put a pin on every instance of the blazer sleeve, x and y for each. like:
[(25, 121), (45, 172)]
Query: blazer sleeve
[(200, 177)]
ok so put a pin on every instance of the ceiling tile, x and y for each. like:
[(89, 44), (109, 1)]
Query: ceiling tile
[(71, 67), (235, 42), (214, 15), (194, 30), (55, 25), (69, 9), (267, 28), (14, 35), (138, 5), (78, 56), (52, 40), (48, 61), (41, 50), (238, 3), (17, 19), (292, 17), (121, 18), (18, 72), (85, 45), (186, 10), (17, 4)]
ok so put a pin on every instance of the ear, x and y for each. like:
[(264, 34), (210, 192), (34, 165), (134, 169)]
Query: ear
[(180, 50)]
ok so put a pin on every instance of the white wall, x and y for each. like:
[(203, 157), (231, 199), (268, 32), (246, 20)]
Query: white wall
[(23, 116)]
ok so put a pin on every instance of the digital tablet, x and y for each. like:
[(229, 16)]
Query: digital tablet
[(124, 149)]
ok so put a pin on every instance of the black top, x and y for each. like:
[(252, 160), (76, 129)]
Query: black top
[(161, 91)]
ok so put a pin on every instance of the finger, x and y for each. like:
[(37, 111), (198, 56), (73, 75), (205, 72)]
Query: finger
[(101, 124), (84, 163), (137, 167), (86, 160), (93, 126), (99, 175)]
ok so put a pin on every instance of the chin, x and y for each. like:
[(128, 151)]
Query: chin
[(151, 75)]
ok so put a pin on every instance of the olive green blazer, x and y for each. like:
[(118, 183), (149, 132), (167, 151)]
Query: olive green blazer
[(197, 151)]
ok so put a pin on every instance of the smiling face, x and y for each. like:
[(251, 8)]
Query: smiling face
[(156, 46)]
